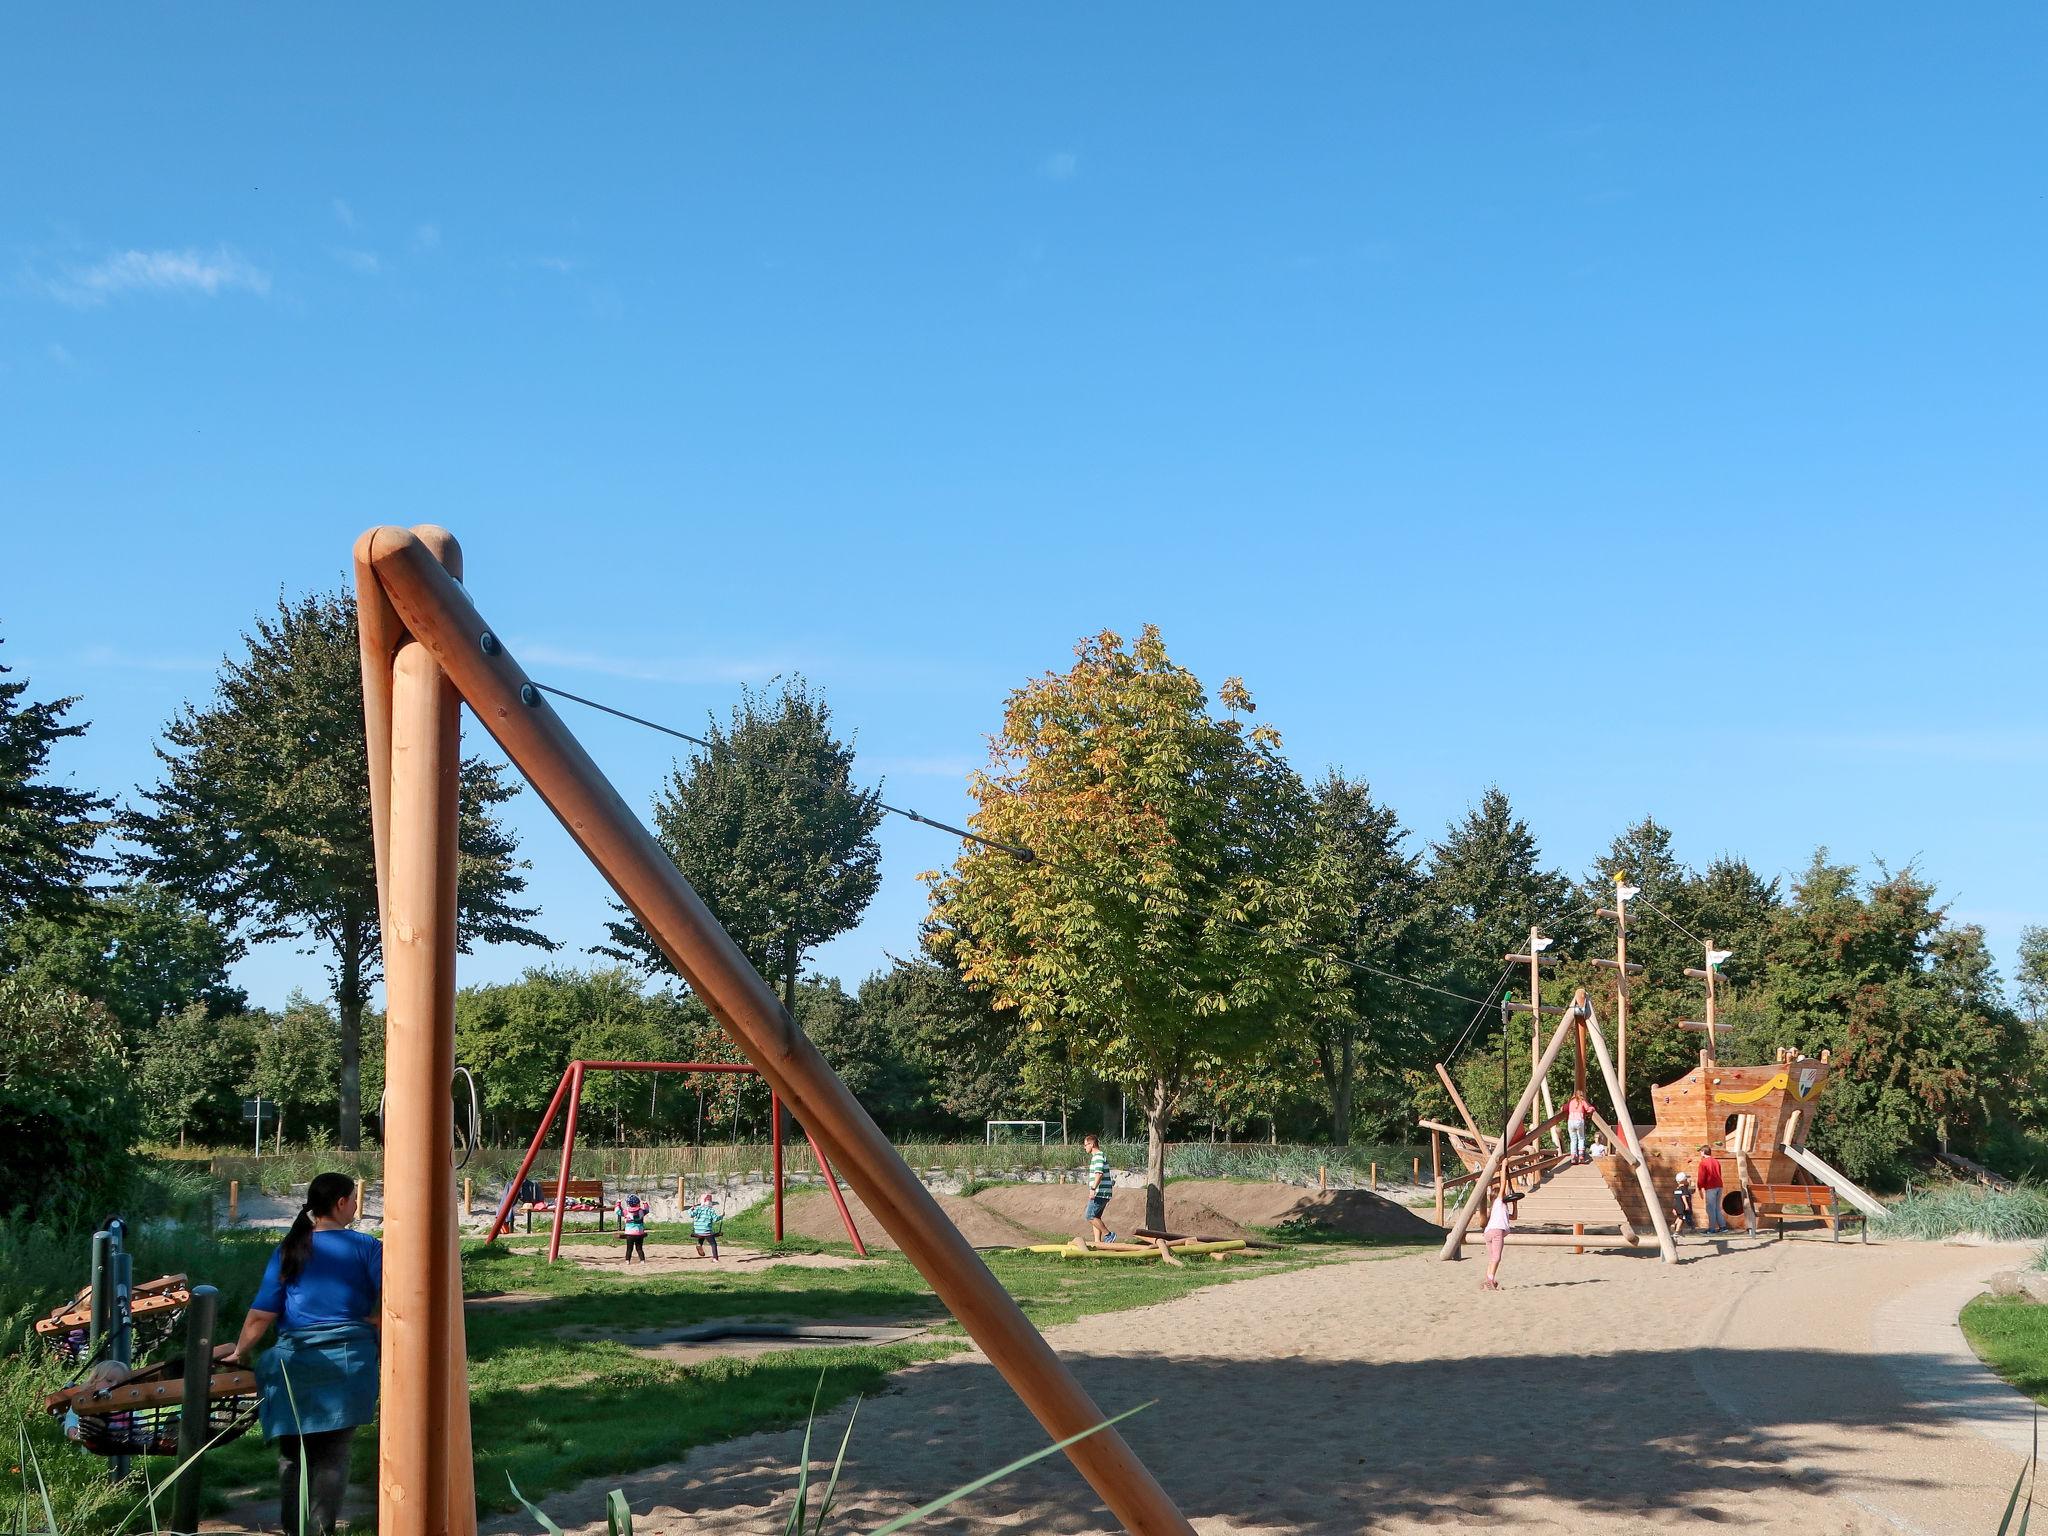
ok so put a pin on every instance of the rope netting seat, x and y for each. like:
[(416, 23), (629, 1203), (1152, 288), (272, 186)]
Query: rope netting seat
[(154, 1308), (118, 1413)]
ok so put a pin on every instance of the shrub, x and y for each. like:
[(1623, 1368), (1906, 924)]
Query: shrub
[(67, 1112)]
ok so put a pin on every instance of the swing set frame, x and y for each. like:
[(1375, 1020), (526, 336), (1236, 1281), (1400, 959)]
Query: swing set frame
[(569, 1098)]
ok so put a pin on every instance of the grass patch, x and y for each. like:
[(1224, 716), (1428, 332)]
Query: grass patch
[(2010, 1334)]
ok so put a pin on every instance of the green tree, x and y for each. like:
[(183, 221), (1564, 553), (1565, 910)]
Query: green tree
[(68, 1110), (2033, 974), (262, 818), (768, 826), (294, 1066), (1487, 886), (142, 950), (1150, 923), (47, 829), (1369, 903), (1736, 907), (191, 1073), (967, 1056)]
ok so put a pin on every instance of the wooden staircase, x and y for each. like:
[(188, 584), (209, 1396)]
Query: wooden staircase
[(1593, 1194)]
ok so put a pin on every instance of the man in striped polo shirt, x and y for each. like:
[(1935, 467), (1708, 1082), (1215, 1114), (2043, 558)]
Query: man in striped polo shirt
[(1101, 1184)]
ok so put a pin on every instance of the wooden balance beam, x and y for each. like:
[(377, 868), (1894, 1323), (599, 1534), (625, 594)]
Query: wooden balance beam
[(1561, 1240)]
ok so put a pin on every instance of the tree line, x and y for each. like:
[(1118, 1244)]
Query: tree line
[(1158, 912)]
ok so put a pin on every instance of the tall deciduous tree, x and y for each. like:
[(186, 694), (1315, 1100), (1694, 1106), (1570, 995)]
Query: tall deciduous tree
[(1369, 906), (770, 828), (295, 1059), (2032, 974), (190, 1076), (1149, 925), (262, 817), (143, 951), (47, 829)]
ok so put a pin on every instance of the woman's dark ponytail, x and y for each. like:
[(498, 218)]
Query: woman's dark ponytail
[(325, 1192)]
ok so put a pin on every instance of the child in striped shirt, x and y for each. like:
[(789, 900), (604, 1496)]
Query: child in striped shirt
[(704, 1225), (1101, 1184)]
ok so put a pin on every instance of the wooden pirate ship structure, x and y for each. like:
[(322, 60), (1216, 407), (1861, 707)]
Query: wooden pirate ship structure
[(1755, 1118)]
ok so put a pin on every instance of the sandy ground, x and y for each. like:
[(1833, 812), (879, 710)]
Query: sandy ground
[(1768, 1386), (1013, 1215)]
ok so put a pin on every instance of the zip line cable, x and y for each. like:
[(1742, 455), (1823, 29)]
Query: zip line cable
[(1674, 922), (1030, 856)]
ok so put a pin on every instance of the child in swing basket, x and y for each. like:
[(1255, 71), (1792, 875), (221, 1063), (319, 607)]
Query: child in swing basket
[(704, 1225), (633, 1227)]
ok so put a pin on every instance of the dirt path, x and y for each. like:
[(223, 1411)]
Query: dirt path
[(1771, 1386)]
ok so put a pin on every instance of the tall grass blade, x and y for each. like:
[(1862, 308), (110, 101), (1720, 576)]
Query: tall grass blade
[(31, 1462), (838, 1463), (545, 1523), (795, 1524), (618, 1514), (1000, 1473)]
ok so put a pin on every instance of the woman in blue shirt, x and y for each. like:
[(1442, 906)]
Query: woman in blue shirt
[(324, 1290)]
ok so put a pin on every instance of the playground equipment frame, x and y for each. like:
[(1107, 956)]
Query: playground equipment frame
[(425, 652), (571, 1089)]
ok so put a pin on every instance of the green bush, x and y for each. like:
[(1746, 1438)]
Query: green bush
[(1942, 1211), (67, 1111)]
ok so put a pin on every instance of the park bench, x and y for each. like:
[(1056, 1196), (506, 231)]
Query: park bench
[(1777, 1200), (578, 1195)]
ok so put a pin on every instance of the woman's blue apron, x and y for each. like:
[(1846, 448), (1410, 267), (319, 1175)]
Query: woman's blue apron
[(318, 1379)]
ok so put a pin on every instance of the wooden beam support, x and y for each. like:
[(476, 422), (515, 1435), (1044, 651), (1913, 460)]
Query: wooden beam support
[(440, 615)]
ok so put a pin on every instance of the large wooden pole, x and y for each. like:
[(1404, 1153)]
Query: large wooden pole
[(1626, 1124), (568, 1160), (1620, 980), (438, 612), (414, 1488), (1470, 1208)]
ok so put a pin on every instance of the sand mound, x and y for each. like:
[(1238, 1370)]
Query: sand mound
[(1210, 1208), (1056, 1210), (811, 1214)]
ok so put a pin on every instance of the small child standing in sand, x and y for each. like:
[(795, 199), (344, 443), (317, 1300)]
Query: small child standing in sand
[(1497, 1239), (633, 1227), (704, 1224), (1101, 1184)]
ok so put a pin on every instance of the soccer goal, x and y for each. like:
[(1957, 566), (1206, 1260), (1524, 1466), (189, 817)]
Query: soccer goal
[(1017, 1130)]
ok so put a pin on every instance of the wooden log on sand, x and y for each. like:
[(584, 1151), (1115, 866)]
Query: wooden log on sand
[(1558, 1240)]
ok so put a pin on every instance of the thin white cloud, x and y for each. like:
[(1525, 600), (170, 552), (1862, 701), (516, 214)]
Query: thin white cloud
[(1062, 166), (369, 263), (427, 237), (656, 669), (561, 264), (190, 271), (61, 355), (343, 214)]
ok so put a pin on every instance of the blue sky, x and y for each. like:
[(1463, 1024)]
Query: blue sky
[(1642, 409)]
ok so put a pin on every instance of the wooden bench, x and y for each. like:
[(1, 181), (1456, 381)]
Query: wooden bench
[(1776, 1200), (582, 1195)]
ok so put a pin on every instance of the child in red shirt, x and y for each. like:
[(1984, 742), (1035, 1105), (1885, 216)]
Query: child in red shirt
[(1707, 1179)]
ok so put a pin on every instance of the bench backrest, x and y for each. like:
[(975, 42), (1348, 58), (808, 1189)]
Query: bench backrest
[(579, 1189), (1814, 1196)]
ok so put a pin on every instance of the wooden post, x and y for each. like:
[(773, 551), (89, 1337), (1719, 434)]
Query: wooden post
[(1415, 1170), (681, 1199), (436, 610), (1578, 1230), (1458, 1103), (363, 1201), (1436, 1171), (468, 1194), (415, 1493), (234, 1201), (1322, 1178), (1620, 980), (1372, 1176)]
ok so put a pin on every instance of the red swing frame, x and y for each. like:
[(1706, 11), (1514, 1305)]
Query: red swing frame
[(571, 1089)]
